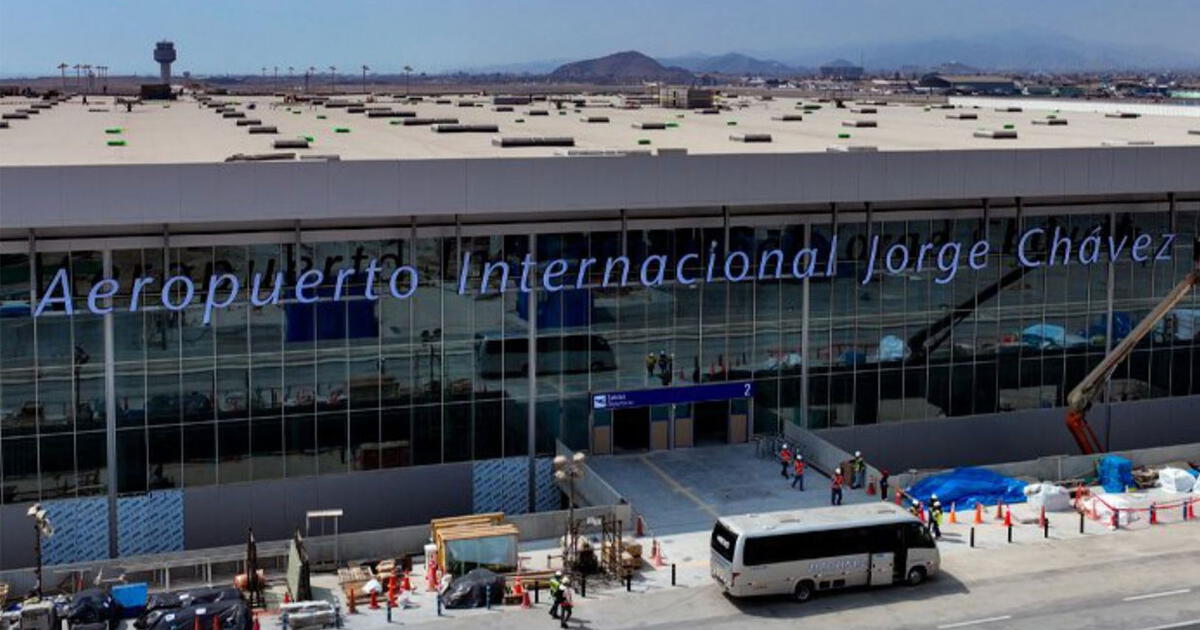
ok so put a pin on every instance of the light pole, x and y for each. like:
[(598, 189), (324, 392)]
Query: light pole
[(62, 68), (78, 79), (364, 69), (104, 77), (291, 81), (407, 74), (332, 79), (569, 470), (275, 83), (307, 75), (41, 529)]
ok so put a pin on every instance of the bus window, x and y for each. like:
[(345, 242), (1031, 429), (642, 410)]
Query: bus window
[(917, 537), (724, 541)]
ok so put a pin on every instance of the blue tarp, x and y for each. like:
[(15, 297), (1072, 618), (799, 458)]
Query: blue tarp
[(1115, 473), (964, 487)]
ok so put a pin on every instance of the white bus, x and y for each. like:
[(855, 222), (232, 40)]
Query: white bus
[(803, 552)]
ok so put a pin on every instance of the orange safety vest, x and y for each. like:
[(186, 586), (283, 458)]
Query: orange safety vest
[(838, 481), (798, 466), (785, 455)]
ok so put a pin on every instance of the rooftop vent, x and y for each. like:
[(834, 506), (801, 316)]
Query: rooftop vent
[(863, 110), (537, 112), (336, 104), (1052, 122), (3, 124), (410, 122), (1194, 132), (293, 143), (510, 99), (263, 129), (788, 118), (962, 116), (1009, 110), (466, 103), (811, 107), (439, 128), (260, 157), (649, 125), (442, 101), (539, 141), (594, 119), (246, 122), (852, 148), (708, 111), (996, 134), (14, 116), (387, 113), (750, 137), (356, 109), (859, 123), (502, 108), (29, 110), (941, 106), (1122, 115)]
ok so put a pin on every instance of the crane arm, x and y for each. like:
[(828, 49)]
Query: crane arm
[(1084, 394)]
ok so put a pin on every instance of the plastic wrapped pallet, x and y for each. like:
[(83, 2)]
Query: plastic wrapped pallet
[(1176, 480), (1053, 498)]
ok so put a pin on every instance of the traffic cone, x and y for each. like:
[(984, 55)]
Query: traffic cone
[(871, 487), (640, 528), (1153, 515), (431, 577), (391, 595), (921, 513), (405, 583), (374, 600), (1042, 517), (196, 622), (657, 555), (351, 602), (953, 515), (287, 598), (257, 625), (899, 496), (979, 514), (1008, 518), (1192, 509), (520, 592), (1000, 510)]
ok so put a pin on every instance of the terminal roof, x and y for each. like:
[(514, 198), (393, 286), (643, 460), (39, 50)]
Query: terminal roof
[(187, 131)]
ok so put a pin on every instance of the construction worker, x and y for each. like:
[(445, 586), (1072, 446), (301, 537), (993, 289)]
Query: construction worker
[(836, 487), (651, 362), (935, 516), (798, 471), (556, 586), (566, 599), (883, 484), (785, 460), (858, 471)]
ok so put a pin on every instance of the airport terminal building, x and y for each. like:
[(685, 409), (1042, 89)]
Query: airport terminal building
[(402, 320)]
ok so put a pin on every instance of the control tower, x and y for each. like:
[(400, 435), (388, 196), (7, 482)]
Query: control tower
[(164, 54)]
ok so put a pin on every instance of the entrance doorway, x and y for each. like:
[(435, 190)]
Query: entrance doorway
[(631, 429), (711, 422)]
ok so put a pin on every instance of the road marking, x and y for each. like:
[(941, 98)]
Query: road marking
[(1157, 595), (1195, 623), (974, 622), (678, 487)]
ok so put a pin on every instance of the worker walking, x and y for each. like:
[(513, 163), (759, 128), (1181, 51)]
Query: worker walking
[(798, 471), (858, 471), (556, 587), (651, 363), (935, 516), (883, 484), (836, 487), (567, 602), (785, 460)]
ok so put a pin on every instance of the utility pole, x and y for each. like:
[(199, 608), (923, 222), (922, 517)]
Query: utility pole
[(62, 68), (332, 79), (275, 86), (364, 82), (407, 75), (307, 75)]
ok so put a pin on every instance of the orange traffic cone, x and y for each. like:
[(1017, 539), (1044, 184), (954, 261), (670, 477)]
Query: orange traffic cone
[(656, 555), (287, 597), (953, 515), (374, 600), (1042, 517), (1008, 518), (519, 591), (979, 514), (899, 496), (431, 577), (1192, 509), (351, 602), (1000, 510), (391, 594), (921, 513), (1153, 515), (405, 582), (257, 625), (871, 487)]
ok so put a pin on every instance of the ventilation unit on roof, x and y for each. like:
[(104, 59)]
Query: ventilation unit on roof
[(863, 110), (649, 125), (466, 103), (293, 143), (452, 128), (962, 116), (233, 115), (247, 122), (941, 106), (263, 129), (852, 148), (510, 99), (356, 109), (1050, 122), (788, 118), (859, 123), (442, 101), (1009, 110), (811, 107), (392, 114), (336, 104), (502, 108), (594, 119), (538, 141), (259, 157), (750, 137), (14, 116), (3, 124), (537, 112), (708, 111), (1122, 115), (996, 134), (410, 122), (1194, 132), (29, 110)]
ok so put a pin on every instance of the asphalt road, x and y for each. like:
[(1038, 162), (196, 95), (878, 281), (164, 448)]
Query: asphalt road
[(1146, 580)]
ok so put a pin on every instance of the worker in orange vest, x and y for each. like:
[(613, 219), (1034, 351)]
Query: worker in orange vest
[(785, 459), (836, 487), (798, 471)]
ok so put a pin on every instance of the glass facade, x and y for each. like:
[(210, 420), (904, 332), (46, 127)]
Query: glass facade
[(290, 389)]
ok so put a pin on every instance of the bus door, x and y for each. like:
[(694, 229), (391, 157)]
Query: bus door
[(883, 568)]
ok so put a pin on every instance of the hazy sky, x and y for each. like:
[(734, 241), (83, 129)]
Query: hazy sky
[(218, 36)]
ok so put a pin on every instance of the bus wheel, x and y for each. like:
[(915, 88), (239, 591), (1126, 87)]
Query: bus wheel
[(916, 575), (804, 591)]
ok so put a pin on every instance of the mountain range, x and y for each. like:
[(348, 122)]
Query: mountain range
[(620, 68)]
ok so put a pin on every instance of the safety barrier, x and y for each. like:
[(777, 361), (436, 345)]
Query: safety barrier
[(1117, 517)]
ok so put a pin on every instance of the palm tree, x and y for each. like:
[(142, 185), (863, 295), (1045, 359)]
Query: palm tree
[(364, 69), (87, 72), (62, 68), (78, 79)]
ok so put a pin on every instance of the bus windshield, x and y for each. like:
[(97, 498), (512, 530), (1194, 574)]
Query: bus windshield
[(724, 541)]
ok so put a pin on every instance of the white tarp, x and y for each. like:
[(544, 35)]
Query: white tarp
[(1176, 480), (1124, 502), (1053, 498)]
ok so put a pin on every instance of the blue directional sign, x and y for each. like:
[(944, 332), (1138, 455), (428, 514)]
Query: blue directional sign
[(672, 395)]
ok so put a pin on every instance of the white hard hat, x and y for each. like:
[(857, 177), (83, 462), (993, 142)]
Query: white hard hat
[(799, 456), (838, 471), (566, 580), (933, 496), (558, 574), (858, 453), (785, 445)]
